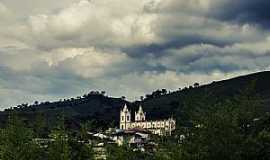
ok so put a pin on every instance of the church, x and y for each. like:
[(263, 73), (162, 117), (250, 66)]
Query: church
[(159, 127)]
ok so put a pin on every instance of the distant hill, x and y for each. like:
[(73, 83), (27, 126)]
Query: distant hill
[(159, 104), (169, 103), (91, 106)]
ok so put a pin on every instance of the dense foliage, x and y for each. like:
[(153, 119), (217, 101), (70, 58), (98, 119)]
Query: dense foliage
[(236, 128), (224, 120), (18, 142)]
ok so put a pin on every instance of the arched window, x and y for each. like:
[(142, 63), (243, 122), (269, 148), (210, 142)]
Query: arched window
[(127, 118)]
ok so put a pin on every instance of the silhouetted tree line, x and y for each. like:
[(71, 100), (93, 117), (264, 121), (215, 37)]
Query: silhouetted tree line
[(162, 92), (61, 103)]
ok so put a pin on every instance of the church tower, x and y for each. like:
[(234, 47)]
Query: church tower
[(140, 115), (125, 118)]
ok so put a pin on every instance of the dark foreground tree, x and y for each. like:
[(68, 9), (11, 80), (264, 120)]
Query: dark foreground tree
[(124, 153), (227, 130), (17, 142), (59, 149)]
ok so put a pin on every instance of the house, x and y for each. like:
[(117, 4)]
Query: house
[(137, 138)]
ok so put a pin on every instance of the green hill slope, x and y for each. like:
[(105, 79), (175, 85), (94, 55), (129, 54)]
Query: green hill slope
[(106, 109)]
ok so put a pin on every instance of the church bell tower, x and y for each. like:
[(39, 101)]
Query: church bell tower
[(140, 115), (125, 118)]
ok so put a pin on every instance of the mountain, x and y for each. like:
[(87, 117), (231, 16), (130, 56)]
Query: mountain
[(159, 104)]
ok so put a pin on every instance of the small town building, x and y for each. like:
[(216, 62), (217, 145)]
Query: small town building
[(137, 139)]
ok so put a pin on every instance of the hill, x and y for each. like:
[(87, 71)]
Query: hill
[(160, 104), (168, 104), (92, 106)]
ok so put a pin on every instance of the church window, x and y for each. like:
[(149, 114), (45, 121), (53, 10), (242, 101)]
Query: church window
[(122, 118), (127, 118)]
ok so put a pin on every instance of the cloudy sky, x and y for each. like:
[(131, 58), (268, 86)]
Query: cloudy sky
[(52, 49)]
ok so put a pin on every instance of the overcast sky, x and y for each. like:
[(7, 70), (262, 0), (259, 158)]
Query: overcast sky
[(52, 49)]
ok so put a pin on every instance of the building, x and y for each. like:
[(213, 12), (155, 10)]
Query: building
[(137, 139), (159, 127)]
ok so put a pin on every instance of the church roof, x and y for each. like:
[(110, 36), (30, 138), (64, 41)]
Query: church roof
[(140, 109), (125, 108), (138, 130)]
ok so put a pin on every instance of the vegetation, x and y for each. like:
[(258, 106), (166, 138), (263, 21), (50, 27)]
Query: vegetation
[(19, 143), (213, 122), (236, 128)]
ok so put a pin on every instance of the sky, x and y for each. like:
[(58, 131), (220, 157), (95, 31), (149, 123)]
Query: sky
[(52, 49)]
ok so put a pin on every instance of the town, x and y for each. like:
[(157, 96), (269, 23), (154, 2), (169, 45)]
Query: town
[(138, 135)]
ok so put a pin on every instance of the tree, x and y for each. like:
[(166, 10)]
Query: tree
[(40, 125), (17, 141), (36, 103), (85, 128), (149, 96), (196, 85), (59, 149), (168, 151), (226, 130), (80, 150), (123, 153), (164, 91), (103, 93), (157, 93)]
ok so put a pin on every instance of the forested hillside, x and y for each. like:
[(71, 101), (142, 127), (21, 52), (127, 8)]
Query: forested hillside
[(159, 104), (222, 120)]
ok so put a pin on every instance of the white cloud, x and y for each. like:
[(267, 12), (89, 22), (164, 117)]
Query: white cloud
[(5, 14), (95, 23), (89, 62), (3, 8)]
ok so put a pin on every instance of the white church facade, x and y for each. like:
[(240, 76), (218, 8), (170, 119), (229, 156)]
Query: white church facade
[(159, 127)]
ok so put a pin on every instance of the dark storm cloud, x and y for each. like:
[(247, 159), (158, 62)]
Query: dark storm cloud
[(208, 58), (174, 43), (244, 11)]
